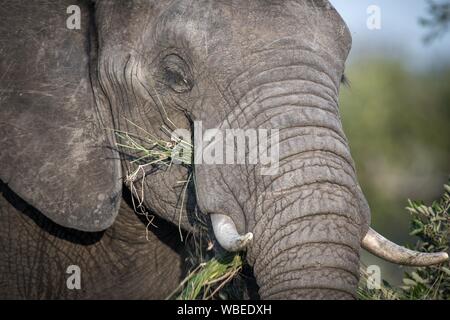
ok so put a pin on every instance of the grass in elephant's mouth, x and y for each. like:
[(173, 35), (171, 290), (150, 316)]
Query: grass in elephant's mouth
[(209, 278), (144, 151), (148, 149)]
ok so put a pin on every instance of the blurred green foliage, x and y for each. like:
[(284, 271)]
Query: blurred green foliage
[(397, 124)]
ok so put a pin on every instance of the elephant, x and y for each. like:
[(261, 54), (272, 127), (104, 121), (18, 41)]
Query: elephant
[(75, 72)]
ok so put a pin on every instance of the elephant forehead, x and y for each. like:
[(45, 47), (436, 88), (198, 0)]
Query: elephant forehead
[(240, 28)]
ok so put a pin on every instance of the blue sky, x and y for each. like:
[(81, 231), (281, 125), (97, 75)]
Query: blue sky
[(400, 35)]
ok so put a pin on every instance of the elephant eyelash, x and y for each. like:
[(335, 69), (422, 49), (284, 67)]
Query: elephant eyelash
[(345, 80)]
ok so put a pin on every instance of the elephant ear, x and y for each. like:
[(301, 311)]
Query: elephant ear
[(55, 150)]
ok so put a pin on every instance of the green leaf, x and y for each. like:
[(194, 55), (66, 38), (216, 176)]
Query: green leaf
[(446, 270), (409, 282), (417, 278)]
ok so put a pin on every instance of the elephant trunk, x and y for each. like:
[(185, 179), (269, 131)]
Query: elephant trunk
[(307, 242), (311, 249), (317, 271), (308, 217)]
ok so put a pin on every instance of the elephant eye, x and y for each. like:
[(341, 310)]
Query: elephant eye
[(176, 75)]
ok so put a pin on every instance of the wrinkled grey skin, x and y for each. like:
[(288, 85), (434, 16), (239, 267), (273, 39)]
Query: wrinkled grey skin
[(238, 64)]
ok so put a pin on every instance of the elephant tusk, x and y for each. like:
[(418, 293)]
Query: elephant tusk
[(385, 249), (227, 235)]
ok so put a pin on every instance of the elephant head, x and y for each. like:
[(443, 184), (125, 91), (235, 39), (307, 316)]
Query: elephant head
[(243, 65)]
